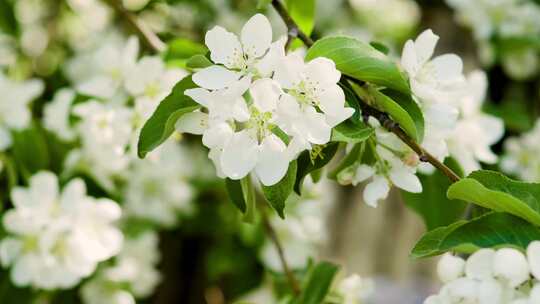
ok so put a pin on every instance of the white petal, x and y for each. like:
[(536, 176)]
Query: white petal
[(344, 114), (448, 67), (362, 173), (450, 267), (376, 190), (5, 138), (332, 100), (265, 93), (224, 46), (215, 155), (200, 96), (317, 130), (239, 155), (289, 71), (511, 265), (322, 71), (480, 264), (490, 291), (273, 161), (268, 64), (44, 185), (10, 249), (408, 59), (194, 123), (533, 256), (403, 178), (217, 135), (425, 46), (256, 36), (215, 77)]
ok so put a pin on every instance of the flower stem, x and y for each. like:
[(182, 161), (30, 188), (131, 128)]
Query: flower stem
[(148, 37), (275, 239)]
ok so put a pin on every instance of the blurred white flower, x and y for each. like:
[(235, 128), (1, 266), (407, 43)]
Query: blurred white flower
[(450, 267), (57, 238), (157, 188), (354, 289), (149, 81), (14, 106), (482, 130), (522, 155), (133, 275), (56, 114)]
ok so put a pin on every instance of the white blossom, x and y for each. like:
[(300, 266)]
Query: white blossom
[(57, 238), (56, 114), (14, 106), (522, 155), (354, 289)]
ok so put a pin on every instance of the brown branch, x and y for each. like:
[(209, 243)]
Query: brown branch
[(147, 36), (275, 239), (293, 31)]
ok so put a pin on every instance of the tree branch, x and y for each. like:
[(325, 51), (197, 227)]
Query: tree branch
[(382, 117), (147, 36), (275, 239)]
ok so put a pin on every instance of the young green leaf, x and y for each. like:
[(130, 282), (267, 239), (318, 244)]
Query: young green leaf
[(492, 230), (432, 204), (350, 159), (303, 13), (411, 107), (317, 284), (234, 189), (351, 133), (277, 194), (386, 104), (182, 48), (497, 192), (360, 60), (198, 61), (309, 161), (242, 195), (161, 124)]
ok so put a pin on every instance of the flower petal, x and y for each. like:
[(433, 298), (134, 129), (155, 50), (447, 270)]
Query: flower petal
[(224, 47), (273, 161), (265, 93), (200, 96), (194, 123), (362, 173), (332, 100), (256, 36), (424, 46), (448, 67), (450, 267), (402, 177), (289, 70), (240, 155), (376, 190), (322, 71), (215, 77), (533, 256)]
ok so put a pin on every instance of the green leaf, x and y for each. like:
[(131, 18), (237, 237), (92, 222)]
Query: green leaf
[(432, 204), (351, 133), (161, 124), (361, 61), (303, 13), (182, 48), (492, 230), (317, 284), (386, 104), (411, 107), (277, 194), (30, 150), (309, 161), (198, 62), (234, 189), (497, 192), (381, 47), (350, 159)]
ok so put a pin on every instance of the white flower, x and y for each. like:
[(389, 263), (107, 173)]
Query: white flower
[(354, 289), (101, 73), (533, 257), (56, 114), (522, 155), (149, 82), (395, 164), (480, 264), (56, 239), (450, 267), (435, 80), (482, 130), (157, 188), (511, 265), (14, 111)]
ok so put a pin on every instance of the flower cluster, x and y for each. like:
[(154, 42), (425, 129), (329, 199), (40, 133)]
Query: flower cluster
[(504, 20), (133, 274), (490, 276), (522, 155), (57, 238), (254, 94)]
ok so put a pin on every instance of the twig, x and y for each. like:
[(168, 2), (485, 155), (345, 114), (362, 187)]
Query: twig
[(293, 31), (273, 236), (148, 37)]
